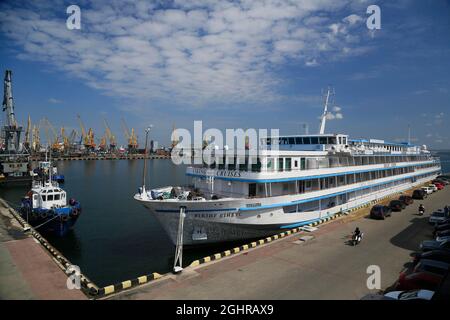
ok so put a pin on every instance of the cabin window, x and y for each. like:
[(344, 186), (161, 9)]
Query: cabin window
[(280, 164), (44, 198), (270, 164), (63, 196), (298, 140), (302, 164), (252, 190), (296, 164), (35, 197), (57, 196), (322, 140), (256, 167), (332, 140), (314, 140), (288, 164), (291, 140), (50, 197), (306, 140)]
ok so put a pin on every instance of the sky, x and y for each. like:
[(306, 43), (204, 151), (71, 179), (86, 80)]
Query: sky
[(232, 64)]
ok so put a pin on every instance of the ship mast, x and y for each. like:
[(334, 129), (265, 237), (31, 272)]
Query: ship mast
[(323, 118)]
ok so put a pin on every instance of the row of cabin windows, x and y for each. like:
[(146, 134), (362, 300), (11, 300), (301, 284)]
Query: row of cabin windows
[(51, 197), (297, 163), (307, 140), (302, 186)]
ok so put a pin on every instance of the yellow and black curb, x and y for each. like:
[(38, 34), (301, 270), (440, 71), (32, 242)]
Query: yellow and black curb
[(128, 284)]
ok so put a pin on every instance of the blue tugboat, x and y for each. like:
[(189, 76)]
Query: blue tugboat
[(46, 207)]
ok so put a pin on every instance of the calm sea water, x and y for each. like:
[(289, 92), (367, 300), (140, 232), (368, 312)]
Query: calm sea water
[(115, 238)]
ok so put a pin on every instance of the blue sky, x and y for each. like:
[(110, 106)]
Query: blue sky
[(240, 64)]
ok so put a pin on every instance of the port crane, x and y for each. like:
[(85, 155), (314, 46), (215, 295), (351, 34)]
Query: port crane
[(51, 136), (131, 137), (11, 130), (109, 135), (27, 141), (87, 138)]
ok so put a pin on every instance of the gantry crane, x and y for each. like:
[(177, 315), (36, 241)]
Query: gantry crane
[(131, 138)]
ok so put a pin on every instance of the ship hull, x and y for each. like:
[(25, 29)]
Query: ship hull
[(208, 222)]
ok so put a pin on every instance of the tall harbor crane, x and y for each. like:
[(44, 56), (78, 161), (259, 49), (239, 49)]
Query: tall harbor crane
[(87, 138), (11, 130), (51, 136), (36, 144), (109, 135), (27, 142), (131, 137)]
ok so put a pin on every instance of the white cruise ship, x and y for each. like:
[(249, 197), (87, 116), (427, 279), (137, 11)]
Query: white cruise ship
[(309, 178)]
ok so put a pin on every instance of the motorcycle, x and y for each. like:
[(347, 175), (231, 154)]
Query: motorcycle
[(356, 239)]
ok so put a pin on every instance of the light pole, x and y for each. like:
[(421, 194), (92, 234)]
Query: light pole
[(144, 193)]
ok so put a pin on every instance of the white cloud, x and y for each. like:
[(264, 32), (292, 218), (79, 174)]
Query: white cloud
[(54, 101), (193, 52)]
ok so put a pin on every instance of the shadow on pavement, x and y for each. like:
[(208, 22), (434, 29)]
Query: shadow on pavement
[(411, 237)]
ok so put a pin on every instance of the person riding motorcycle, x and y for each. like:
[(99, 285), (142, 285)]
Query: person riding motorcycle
[(357, 235), (421, 209)]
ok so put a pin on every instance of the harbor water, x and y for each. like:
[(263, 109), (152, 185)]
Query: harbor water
[(115, 238)]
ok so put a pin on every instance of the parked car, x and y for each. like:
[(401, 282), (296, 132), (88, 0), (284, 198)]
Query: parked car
[(380, 212), (438, 216), (428, 190), (429, 245), (442, 233), (397, 205), (419, 194), (439, 186), (433, 187), (406, 200), (441, 227), (437, 255), (410, 295), (443, 177), (441, 181), (427, 274), (443, 238)]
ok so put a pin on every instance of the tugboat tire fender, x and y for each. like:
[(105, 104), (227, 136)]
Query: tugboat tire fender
[(64, 217)]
